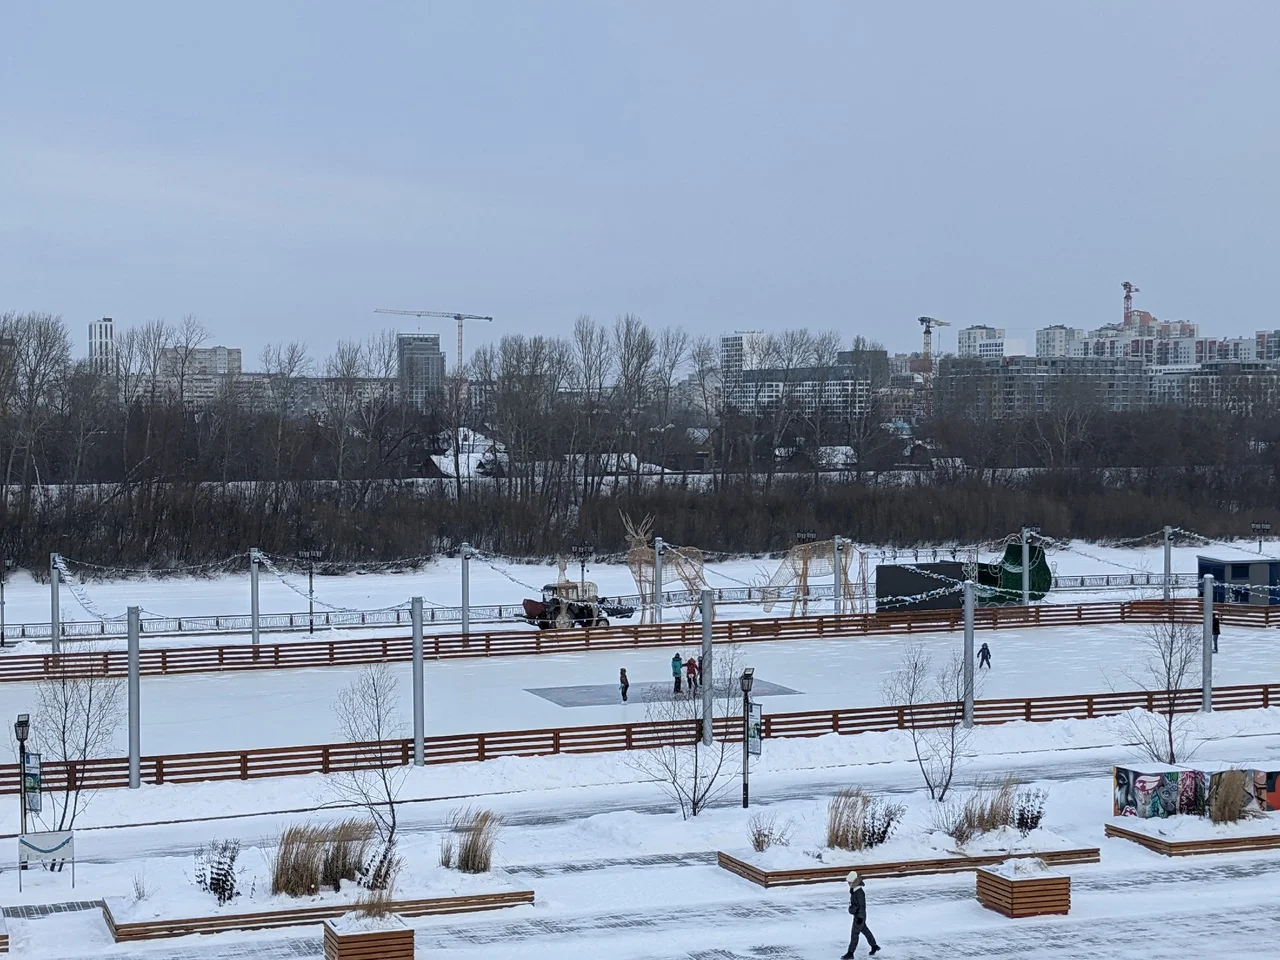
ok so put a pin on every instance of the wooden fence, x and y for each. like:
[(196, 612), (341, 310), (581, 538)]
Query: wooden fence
[(180, 660), (604, 738)]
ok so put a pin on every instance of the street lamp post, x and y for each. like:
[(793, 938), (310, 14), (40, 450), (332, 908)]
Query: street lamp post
[(1259, 528), (745, 681), (311, 556), (21, 728), (4, 576), (584, 552)]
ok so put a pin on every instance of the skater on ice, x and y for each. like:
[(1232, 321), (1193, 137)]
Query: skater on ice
[(676, 663), (691, 674), (984, 657), (858, 910), (623, 683)]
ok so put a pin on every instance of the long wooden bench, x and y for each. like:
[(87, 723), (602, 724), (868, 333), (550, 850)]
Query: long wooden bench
[(1192, 848), (1035, 896), (904, 868), (182, 926), (382, 945)]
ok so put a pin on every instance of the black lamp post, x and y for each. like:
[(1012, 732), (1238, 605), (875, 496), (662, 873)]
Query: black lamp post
[(21, 729), (745, 681), (584, 552), (312, 556)]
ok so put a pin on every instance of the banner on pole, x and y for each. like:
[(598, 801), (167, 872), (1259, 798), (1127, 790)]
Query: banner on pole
[(755, 729), (31, 777)]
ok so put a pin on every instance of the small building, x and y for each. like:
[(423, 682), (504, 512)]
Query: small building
[(1242, 577)]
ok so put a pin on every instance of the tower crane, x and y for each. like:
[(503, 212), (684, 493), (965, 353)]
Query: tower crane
[(929, 323), (460, 317), (1129, 290)]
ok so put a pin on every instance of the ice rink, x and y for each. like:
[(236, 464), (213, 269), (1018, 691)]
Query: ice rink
[(286, 707)]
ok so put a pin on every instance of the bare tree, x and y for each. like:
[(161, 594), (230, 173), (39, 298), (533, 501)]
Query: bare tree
[(75, 720), (368, 714), (932, 702), (1171, 651), (691, 774)]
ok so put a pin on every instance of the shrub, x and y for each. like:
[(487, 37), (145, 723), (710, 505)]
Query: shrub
[(1028, 811), (447, 851), (215, 871), (309, 857), (766, 832), (858, 821), (478, 835), (1229, 798), (140, 889)]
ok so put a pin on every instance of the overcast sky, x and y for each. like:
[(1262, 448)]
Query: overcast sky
[(281, 169)]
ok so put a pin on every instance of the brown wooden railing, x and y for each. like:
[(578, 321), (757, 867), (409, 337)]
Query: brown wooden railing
[(603, 738), (179, 660)]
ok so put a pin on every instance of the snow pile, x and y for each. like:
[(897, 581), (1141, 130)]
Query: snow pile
[(354, 922), (1023, 868), (1187, 828)]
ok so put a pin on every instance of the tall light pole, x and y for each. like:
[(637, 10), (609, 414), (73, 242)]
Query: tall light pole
[(745, 681), (584, 552), (21, 728), (311, 556), (658, 549)]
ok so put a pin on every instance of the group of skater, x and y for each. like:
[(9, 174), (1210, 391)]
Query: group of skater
[(683, 673)]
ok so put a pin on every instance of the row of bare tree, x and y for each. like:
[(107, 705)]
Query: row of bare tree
[(545, 441)]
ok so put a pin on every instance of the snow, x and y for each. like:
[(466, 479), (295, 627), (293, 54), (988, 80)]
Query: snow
[(240, 710), (500, 580), (173, 894), (1186, 828), (355, 923), (1022, 868)]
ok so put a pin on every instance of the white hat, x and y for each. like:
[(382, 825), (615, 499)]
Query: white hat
[(852, 877)]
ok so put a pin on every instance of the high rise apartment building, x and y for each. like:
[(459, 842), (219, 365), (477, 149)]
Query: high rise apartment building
[(102, 346), (421, 367)]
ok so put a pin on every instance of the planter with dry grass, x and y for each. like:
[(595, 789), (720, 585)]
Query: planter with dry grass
[(362, 936)]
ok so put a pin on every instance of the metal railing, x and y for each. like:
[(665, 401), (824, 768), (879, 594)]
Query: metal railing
[(499, 613)]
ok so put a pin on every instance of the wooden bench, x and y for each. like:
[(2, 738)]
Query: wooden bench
[(389, 944), (182, 926), (1191, 848), (1033, 896), (4, 936), (905, 868)]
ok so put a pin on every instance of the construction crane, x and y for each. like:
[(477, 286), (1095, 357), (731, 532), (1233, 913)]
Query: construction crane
[(929, 323), (460, 317), (1129, 290)]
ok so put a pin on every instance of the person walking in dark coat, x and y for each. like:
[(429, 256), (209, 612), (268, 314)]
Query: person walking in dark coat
[(676, 664), (858, 909), (623, 683), (1217, 629), (984, 657)]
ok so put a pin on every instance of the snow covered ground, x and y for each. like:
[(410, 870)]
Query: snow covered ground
[(619, 875), (186, 713), (500, 581)]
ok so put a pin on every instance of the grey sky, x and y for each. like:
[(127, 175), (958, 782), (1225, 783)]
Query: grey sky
[(280, 170)]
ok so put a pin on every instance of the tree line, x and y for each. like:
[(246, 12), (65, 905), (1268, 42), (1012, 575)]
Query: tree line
[(124, 467)]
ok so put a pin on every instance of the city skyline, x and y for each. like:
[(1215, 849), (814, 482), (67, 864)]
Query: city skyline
[(843, 166)]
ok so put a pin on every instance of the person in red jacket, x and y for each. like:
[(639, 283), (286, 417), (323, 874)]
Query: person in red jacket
[(691, 674)]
